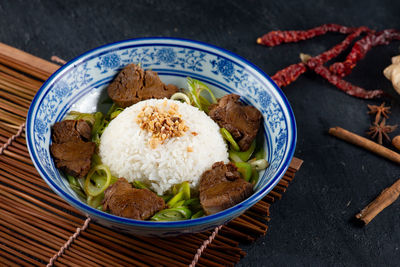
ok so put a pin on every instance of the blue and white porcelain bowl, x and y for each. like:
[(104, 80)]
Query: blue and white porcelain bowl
[(81, 85)]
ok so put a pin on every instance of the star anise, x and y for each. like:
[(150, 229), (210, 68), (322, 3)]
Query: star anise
[(380, 111), (381, 130)]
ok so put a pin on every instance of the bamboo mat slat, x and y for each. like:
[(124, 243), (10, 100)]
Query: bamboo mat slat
[(38, 228)]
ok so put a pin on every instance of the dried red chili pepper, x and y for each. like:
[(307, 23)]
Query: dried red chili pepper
[(289, 74), (274, 38), (345, 86), (361, 48), (337, 49)]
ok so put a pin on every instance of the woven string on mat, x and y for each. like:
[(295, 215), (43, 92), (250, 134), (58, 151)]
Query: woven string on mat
[(204, 246), (69, 242), (12, 138)]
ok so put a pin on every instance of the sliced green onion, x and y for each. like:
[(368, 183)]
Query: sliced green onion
[(260, 154), (98, 123), (204, 101), (166, 197), (111, 110), (175, 189), (234, 156), (174, 214), (185, 188), (175, 199), (75, 186), (179, 204), (81, 182), (181, 97), (115, 113), (260, 164), (103, 127), (198, 214), (192, 202), (139, 185), (243, 156), (254, 177), (96, 160), (244, 169), (97, 180), (75, 115), (113, 179), (195, 89), (205, 104), (199, 86), (96, 139), (73, 181), (96, 201), (228, 137)]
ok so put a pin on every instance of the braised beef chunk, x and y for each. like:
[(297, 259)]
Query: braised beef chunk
[(70, 130), (241, 121), (73, 157), (123, 200), (71, 153), (222, 187), (219, 172), (133, 84)]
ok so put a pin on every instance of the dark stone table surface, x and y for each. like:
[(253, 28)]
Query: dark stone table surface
[(312, 225)]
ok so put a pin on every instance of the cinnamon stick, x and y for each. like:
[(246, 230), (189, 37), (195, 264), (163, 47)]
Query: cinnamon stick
[(396, 142), (365, 143), (385, 199)]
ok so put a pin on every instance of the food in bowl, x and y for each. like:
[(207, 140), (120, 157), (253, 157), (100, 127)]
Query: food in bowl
[(155, 157)]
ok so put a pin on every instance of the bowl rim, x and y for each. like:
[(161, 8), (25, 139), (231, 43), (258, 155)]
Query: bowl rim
[(238, 208)]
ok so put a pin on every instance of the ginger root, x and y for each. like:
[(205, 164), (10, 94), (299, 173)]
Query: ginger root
[(392, 73)]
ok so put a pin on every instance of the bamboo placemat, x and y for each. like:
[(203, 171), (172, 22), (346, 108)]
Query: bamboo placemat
[(38, 228)]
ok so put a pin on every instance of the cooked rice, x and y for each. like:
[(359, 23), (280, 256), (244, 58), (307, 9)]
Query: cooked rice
[(127, 150)]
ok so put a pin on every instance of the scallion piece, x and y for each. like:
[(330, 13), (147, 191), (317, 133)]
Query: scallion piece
[(175, 199), (96, 201), (228, 137), (111, 110), (243, 156), (139, 185), (181, 97), (198, 214), (174, 214), (260, 164), (192, 202), (75, 186), (179, 204), (175, 189), (96, 160), (115, 113), (244, 169), (97, 180), (254, 177), (166, 197), (98, 123), (75, 115), (195, 89), (185, 188), (260, 154), (234, 156)]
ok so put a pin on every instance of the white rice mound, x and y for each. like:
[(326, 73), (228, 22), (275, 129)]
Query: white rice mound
[(125, 149)]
